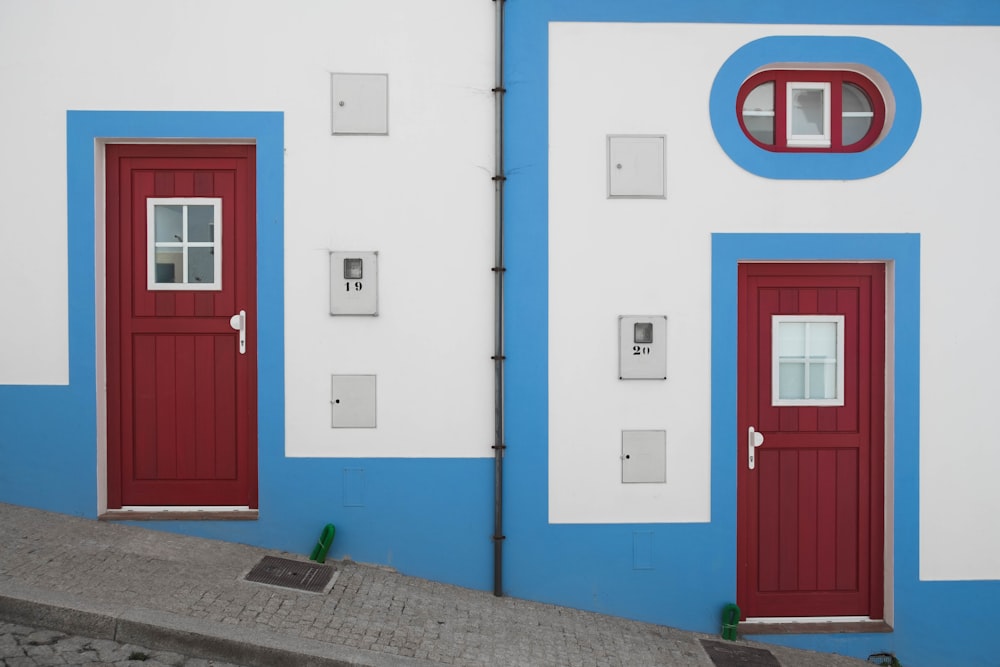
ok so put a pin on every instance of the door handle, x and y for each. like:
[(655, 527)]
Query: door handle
[(754, 440), (239, 323)]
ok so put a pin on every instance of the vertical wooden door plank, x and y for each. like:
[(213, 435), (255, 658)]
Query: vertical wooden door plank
[(187, 390), (225, 445), (205, 410), (166, 407), (808, 519), (788, 512)]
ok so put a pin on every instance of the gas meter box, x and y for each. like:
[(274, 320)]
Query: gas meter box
[(353, 283), (642, 347)]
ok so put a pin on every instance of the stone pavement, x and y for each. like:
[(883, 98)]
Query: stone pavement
[(187, 595), (22, 646)]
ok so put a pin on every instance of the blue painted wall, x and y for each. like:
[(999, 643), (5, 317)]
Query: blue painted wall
[(693, 566)]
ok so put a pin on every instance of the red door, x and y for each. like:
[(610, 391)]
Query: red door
[(181, 253), (811, 382)]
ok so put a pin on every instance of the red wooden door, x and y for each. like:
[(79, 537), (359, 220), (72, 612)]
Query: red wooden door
[(181, 262), (811, 381)]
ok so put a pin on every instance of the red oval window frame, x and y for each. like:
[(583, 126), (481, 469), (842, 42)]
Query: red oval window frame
[(836, 78)]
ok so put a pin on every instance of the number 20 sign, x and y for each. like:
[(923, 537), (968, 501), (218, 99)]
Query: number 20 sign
[(642, 347)]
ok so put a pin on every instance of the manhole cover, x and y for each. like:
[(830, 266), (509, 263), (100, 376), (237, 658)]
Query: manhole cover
[(724, 654), (310, 577)]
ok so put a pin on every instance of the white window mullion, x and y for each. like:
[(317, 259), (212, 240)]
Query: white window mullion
[(185, 237), (807, 364)]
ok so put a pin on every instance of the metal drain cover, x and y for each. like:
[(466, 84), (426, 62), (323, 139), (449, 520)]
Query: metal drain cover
[(725, 654), (287, 573)]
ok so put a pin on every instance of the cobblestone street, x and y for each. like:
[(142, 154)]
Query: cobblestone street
[(23, 646), (95, 579)]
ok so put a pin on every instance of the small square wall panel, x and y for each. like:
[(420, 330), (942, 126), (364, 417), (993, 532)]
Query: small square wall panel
[(644, 457), (637, 166), (360, 103), (352, 401)]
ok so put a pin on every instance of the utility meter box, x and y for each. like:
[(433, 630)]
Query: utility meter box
[(360, 103), (637, 166), (644, 457), (353, 283), (642, 347), (352, 401)]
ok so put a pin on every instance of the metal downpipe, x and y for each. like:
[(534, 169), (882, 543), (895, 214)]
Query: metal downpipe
[(498, 282)]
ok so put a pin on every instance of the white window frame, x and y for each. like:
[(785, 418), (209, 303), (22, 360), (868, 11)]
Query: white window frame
[(776, 321), (184, 245), (807, 140)]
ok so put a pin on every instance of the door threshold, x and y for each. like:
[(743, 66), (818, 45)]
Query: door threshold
[(180, 513), (813, 625)]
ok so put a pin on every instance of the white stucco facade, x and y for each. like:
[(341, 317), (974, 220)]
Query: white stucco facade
[(611, 257), (421, 196)]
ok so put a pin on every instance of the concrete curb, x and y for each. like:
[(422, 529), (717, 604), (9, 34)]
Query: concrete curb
[(55, 611), (165, 631)]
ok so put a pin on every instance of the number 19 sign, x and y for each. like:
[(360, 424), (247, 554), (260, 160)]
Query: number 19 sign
[(353, 283)]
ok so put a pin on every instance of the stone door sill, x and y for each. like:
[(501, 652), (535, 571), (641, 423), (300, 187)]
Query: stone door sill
[(814, 627), (180, 514)]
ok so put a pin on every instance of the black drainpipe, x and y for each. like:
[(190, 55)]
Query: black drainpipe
[(498, 348)]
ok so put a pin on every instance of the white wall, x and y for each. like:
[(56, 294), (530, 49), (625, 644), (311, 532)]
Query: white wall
[(34, 342), (615, 257), (421, 196)]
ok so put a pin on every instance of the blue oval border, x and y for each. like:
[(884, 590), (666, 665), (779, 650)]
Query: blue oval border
[(810, 49)]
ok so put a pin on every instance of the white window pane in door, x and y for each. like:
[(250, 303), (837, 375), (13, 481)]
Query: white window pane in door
[(169, 266), (169, 221), (792, 380), (822, 380), (201, 265), (792, 339), (822, 340), (201, 223)]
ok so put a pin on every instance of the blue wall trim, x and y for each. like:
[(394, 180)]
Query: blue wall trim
[(522, 13), (693, 565), (840, 50)]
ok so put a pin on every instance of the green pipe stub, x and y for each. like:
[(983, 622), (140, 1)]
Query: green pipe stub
[(323, 545), (730, 620)]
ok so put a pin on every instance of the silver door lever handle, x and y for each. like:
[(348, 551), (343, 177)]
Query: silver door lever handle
[(754, 440), (239, 323)]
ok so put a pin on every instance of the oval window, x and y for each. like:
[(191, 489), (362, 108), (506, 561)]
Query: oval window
[(835, 111)]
